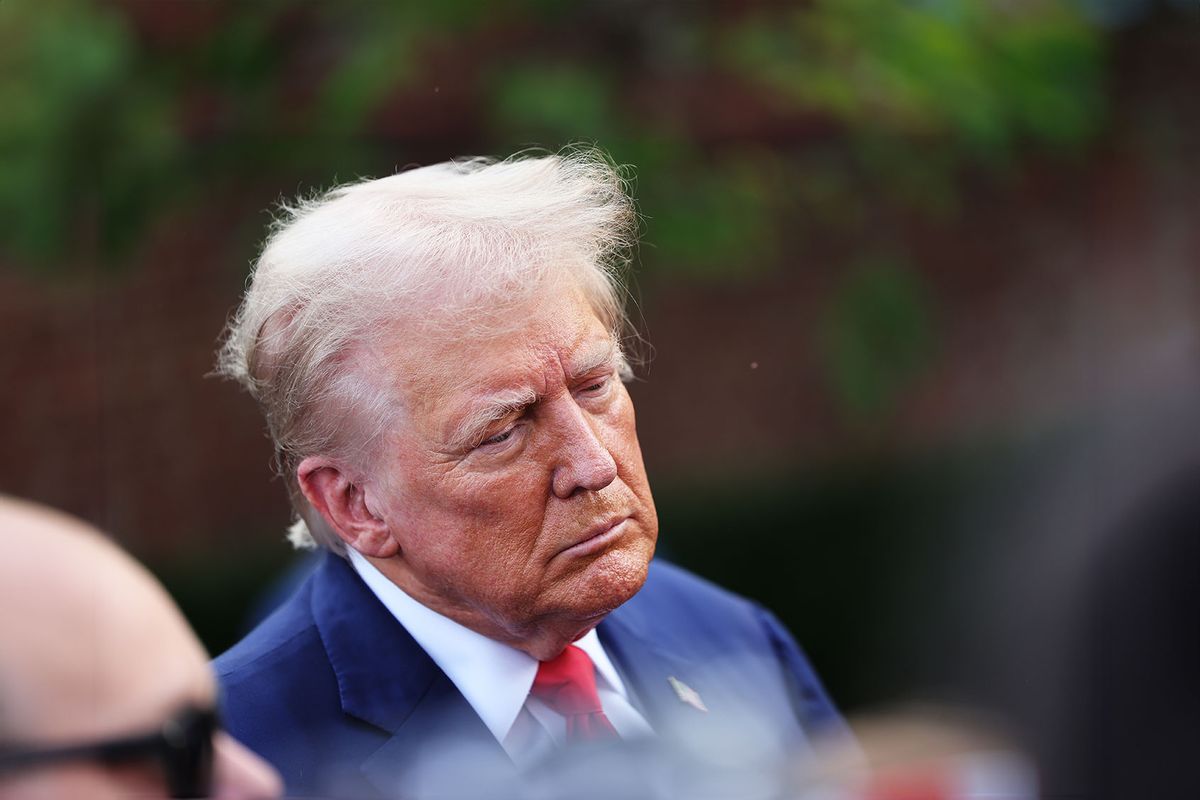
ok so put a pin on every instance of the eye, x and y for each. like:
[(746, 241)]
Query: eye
[(503, 436), (498, 439), (596, 386)]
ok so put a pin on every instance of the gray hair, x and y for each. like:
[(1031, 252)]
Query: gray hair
[(444, 245)]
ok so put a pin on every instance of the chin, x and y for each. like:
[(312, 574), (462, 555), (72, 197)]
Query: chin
[(610, 580)]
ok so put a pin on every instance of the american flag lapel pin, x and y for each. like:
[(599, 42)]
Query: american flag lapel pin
[(687, 694)]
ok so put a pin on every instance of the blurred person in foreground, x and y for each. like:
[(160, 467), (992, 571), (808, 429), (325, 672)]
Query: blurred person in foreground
[(438, 355), (1097, 656), (104, 690)]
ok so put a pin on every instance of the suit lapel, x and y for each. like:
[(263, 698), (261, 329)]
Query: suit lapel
[(689, 699), (648, 666), (429, 734), (443, 749), (386, 680)]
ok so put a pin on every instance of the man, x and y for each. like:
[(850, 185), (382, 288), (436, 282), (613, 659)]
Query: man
[(438, 357), (104, 690)]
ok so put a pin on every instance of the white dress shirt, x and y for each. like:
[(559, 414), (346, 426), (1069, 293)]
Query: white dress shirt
[(495, 678)]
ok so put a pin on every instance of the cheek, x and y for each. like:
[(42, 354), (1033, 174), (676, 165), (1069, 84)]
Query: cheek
[(516, 491), (627, 453), (492, 517), (623, 441)]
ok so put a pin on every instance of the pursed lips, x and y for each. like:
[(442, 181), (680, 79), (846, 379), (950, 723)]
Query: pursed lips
[(597, 532)]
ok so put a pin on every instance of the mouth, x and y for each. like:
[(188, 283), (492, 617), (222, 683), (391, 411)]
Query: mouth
[(598, 536)]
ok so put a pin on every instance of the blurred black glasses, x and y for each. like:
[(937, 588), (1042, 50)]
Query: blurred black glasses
[(183, 746)]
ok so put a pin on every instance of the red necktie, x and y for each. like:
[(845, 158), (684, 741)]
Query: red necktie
[(567, 683)]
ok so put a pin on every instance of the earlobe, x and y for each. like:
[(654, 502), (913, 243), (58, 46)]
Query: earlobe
[(343, 503)]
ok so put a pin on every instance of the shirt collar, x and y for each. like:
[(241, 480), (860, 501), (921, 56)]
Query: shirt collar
[(494, 678)]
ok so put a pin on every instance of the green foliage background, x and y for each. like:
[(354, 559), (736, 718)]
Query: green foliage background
[(100, 124), (107, 129)]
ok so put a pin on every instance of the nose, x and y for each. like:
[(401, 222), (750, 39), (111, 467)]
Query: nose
[(584, 463), (239, 774)]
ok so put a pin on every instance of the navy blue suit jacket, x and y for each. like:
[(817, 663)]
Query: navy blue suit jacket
[(335, 693)]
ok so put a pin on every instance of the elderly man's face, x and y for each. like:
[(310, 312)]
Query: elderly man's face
[(515, 487)]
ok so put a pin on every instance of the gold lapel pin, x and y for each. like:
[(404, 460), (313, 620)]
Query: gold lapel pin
[(687, 694)]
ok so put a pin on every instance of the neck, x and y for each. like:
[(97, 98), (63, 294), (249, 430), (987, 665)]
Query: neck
[(542, 637)]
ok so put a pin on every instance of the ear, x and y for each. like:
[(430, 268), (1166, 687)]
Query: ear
[(343, 503)]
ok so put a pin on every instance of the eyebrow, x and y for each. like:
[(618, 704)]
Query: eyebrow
[(602, 354), (499, 405)]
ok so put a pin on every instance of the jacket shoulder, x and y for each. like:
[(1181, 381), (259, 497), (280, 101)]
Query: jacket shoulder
[(274, 672), (280, 698), (694, 617), (676, 600), (668, 578), (273, 641)]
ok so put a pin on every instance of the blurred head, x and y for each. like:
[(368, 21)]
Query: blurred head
[(438, 356), (95, 651)]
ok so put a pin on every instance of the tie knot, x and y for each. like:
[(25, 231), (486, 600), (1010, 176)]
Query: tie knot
[(567, 683)]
